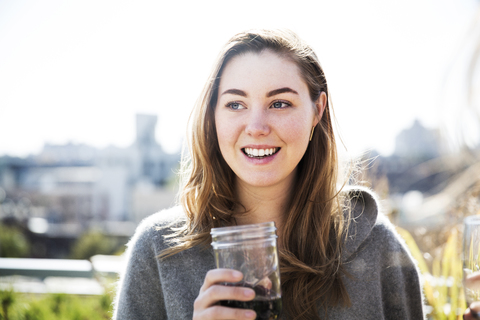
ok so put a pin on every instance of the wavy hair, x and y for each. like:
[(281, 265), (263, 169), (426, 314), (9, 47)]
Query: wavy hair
[(315, 226)]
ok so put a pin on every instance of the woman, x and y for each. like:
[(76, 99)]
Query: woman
[(262, 148)]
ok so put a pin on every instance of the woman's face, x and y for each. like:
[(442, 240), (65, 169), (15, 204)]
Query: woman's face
[(263, 117)]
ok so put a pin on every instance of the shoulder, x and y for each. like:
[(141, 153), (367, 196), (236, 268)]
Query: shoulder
[(163, 219), (374, 250), (396, 251), (398, 270), (155, 227), (140, 275)]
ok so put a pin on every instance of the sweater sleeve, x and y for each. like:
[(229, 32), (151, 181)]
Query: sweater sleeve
[(139, 292)]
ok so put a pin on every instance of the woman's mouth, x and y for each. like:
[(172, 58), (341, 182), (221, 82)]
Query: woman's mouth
[(260, 153)]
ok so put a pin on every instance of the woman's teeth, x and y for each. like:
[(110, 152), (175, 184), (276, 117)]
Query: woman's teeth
[(259, 152)]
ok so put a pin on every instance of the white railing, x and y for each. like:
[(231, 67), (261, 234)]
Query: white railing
[(58, 275)]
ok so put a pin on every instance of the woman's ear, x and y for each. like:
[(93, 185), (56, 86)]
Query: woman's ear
[(320, 105)]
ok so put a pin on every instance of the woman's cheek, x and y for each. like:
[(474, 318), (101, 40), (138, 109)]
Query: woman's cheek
[(294, 130), (226, 135)]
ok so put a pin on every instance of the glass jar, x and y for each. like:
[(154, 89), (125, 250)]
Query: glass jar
[(252, 250)]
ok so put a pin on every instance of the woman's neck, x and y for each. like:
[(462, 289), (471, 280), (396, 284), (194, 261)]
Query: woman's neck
[(263, 204)]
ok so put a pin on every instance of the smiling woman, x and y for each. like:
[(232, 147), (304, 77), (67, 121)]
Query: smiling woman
[(262, 149), (264, 105)]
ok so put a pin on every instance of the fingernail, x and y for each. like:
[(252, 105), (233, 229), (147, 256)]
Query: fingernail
[(250, 314), (237, 274), (248, 292)]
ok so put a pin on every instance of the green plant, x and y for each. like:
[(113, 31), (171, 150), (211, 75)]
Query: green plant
[(36, 311), (13, 243), (7, 299), (92, 243), (55, 306), (442, 286)]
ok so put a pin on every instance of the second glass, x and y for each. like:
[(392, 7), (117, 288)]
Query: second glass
[(252, 250), (471, 257)]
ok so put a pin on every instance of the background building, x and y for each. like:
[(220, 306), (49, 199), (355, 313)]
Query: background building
[(75, 187)]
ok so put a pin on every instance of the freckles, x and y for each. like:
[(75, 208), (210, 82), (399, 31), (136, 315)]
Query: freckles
[(226, 134), (225, 129), (294, 132), (295, 129)]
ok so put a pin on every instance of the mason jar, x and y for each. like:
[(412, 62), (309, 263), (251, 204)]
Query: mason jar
[(252, 250)]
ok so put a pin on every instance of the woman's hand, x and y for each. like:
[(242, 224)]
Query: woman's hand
[(472, 281), (472, 312), (211, 292)]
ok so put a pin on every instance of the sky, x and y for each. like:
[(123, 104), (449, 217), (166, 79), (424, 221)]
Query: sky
[(79, 71)]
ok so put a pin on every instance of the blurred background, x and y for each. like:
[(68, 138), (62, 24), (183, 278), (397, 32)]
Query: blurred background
[(94, 102)]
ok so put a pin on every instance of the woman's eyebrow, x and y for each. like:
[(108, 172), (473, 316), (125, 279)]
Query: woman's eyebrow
[(281, 90), (237, 92), (272, 93)]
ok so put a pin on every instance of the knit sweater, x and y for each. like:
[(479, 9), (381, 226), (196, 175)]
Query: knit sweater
[(384, 282)]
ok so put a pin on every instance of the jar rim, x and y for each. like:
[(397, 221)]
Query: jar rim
[(230, 229), (475, 219)]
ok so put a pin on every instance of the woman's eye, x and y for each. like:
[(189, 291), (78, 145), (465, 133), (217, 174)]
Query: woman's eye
[(234, 106), (279, 105)]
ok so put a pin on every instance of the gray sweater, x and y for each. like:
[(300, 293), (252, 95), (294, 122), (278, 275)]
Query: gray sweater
[(385, 282)]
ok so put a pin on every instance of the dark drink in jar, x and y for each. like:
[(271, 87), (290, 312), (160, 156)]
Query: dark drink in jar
[(265, 309), (252, 250)]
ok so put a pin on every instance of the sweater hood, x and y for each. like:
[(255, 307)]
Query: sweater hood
[(364, 212)]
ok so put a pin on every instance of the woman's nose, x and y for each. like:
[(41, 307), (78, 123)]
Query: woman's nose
[(257, 124)]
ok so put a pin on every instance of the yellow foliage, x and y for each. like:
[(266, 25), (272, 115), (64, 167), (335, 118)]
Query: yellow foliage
[(443, 286)]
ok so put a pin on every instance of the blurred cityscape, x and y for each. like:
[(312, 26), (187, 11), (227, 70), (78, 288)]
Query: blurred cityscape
[(65, 191), (67, 212), (58, 195), (423, 183)]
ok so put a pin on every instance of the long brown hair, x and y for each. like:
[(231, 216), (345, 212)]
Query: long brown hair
[(315, 226)]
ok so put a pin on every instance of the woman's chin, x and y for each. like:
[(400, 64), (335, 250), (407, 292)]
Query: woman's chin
[(264, 181)]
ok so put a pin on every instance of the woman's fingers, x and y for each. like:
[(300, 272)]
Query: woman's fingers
[(220, 292), (216, 293), (218, 312), (473, 312), (475, 306), (212, 291), (468, 315), (472, 281), (216, 276)]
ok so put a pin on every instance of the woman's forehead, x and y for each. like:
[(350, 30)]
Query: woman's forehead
[(266, 68)]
